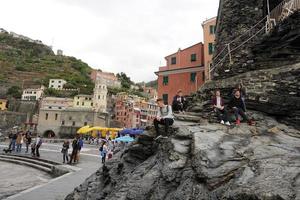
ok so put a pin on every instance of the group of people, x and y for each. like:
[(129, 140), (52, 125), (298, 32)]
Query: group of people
[(77, 145), (236, 106), (17, 139)]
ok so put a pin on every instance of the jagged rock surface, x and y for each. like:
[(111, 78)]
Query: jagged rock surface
[(207, 161)]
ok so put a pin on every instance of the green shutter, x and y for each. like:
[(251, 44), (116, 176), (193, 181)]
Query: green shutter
[(193, 77), (212, 29), (210, 48), (165, 80), (193, 57)]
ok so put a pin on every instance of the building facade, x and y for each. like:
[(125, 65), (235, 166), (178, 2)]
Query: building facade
[(100, 96), (134, 112), (83, 101), (56, 103), (107, 78), (3, 104), (57, 84), (32, 94), (184, 70), (209, 28)]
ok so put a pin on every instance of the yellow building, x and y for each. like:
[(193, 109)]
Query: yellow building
[(3, 104), (209, 28)]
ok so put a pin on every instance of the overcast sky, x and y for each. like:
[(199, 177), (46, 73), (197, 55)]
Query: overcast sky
[(132, 36)]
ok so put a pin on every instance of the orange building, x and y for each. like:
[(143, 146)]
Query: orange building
[(184, 70), (209, 28)]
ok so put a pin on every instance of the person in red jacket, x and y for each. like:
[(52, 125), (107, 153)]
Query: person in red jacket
[(219, 108)]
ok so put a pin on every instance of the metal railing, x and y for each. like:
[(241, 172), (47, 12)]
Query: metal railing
[(265, 25)]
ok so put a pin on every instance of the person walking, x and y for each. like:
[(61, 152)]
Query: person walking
[(19, 142), (65, 150), (13, 137), (27, 140), (39, 143), (104, 152)]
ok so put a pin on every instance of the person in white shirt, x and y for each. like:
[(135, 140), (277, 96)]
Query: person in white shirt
[(164, 117)]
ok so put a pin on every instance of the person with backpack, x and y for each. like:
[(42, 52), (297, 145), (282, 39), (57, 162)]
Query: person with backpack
[(64, 151), (13, 138), (39, 143), (179, 102), (219, 107), (164, 117)]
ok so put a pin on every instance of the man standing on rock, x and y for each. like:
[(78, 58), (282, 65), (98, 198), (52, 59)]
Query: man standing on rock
[(164, 117)]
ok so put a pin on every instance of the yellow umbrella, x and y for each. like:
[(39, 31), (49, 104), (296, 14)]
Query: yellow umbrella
[(83, 129)]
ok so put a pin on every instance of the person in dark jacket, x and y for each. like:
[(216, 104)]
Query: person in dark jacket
[(64, 150), (179, 102), (237, 105), (242, 90), (219, 107), (75, 146)]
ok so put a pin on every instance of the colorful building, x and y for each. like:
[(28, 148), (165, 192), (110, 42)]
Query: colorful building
[(3, 104), (134, 112), (184, 70), (209, 28)]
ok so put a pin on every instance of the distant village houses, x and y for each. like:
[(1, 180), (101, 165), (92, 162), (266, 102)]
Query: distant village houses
[(57, 84), (107, 78)]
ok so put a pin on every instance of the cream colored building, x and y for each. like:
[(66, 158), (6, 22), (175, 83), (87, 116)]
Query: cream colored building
[(100, 96), (83, 101), (209, 27), (56, 103), (32, 94), (57, 84)]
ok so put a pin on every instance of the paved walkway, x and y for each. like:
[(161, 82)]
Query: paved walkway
[(58, 188)]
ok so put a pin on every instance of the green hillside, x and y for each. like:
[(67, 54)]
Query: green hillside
[(23, 61)]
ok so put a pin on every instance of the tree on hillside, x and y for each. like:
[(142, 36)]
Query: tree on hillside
[(15, 92), (125, 80)]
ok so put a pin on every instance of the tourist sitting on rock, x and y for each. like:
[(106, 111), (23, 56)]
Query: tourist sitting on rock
[(179, 102), (242, 90), (237, 105), (219, 108), (164, 117)]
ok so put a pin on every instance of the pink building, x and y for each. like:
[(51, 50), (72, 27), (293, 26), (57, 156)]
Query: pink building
[(106, 77)]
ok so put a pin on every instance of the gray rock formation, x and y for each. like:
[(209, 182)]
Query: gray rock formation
[(207, 161)]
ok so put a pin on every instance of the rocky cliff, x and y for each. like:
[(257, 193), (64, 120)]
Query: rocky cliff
[(203, 161)]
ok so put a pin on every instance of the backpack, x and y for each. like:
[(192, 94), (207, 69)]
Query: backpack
[(101, 148)]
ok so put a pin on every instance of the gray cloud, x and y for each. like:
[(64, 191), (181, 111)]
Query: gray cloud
[(132, 36)]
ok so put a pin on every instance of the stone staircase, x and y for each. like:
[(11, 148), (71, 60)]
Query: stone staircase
[(53, 168)]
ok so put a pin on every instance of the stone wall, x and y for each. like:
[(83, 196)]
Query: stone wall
[(11, 119), (262, 51)]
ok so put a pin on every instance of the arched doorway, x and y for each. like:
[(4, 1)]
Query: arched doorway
[(49, 134)]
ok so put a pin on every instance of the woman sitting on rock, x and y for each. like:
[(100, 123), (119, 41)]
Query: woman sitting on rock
[(219, 108)]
